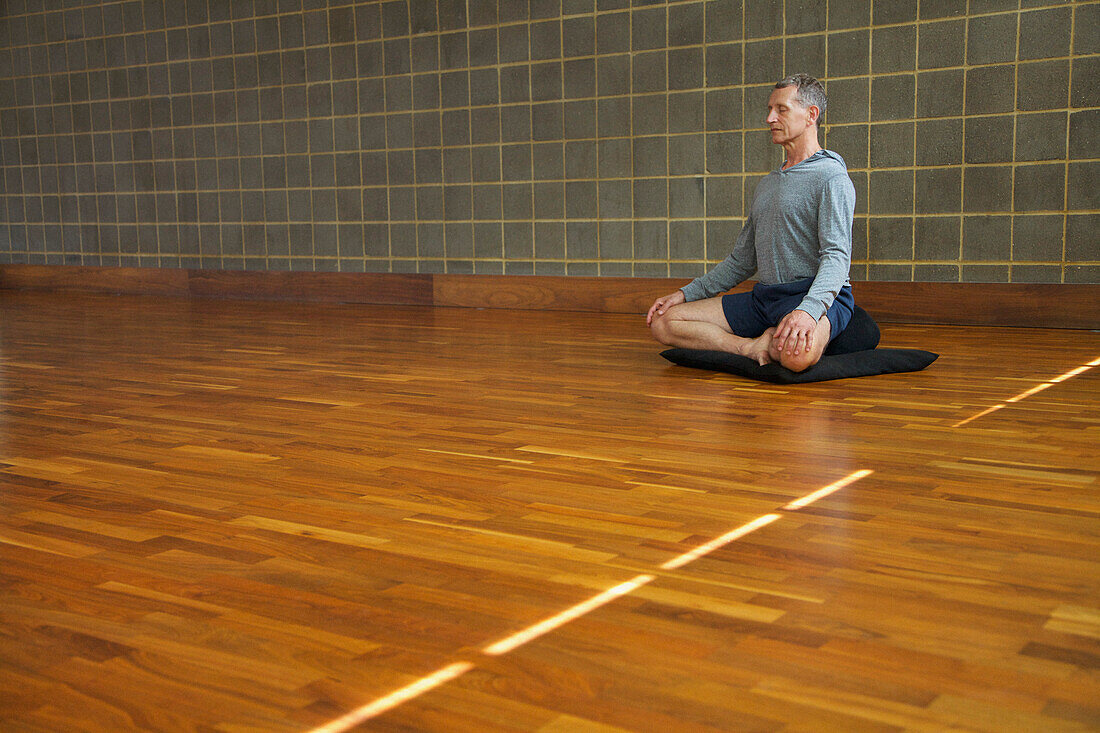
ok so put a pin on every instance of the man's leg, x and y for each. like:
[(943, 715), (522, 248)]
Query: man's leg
[(702, 324), (807, 357)]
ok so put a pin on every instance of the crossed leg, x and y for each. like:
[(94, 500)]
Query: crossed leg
[(807, 356), (702, 324)]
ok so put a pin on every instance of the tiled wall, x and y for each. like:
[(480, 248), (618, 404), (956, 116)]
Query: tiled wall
[(540, 136)]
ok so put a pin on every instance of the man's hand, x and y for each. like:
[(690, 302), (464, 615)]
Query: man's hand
[(795, 333), (663, 304)]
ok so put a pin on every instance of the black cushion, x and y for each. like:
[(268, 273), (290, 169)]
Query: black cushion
[(851, 354), (860, 334), (838, 366)]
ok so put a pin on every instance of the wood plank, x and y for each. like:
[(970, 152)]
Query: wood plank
[(1068, 305), (118, 280), (327, 287), (1037, 305), (593, 294)]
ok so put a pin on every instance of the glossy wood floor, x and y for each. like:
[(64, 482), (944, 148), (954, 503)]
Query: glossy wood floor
[(230, 516)]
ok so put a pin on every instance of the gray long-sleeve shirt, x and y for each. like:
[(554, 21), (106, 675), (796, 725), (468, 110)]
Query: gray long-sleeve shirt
[(800, 226)]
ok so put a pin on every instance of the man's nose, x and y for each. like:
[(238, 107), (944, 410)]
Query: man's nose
[(771, 117)]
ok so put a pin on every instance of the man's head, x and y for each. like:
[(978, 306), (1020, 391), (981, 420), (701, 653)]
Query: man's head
[(809, 92), (794, 109)]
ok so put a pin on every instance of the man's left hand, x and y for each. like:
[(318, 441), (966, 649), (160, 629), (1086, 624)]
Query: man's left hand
[(795, 332)]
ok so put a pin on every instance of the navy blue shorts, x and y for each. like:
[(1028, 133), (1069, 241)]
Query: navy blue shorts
[(750, 314)]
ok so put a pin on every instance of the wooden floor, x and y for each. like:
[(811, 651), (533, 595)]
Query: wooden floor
[(231, 516)]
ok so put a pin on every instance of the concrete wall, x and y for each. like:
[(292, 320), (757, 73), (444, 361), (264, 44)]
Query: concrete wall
[(587, 137)]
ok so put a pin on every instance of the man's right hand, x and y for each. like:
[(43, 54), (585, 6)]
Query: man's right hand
[(661, 305)]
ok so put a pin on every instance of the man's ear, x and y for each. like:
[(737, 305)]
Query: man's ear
[(815, 113)]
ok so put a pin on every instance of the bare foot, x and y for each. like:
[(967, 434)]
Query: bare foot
[(759, 349)]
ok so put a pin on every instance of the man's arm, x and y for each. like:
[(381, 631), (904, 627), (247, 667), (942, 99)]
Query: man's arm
[(735, 269), (834, 235), (795, 331)]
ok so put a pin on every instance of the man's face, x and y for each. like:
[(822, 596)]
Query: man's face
[(787, 118)]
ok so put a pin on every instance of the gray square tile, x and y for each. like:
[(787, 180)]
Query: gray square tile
[(1041, 136), (579, 36), (517, 201), (1085, 91), (650, 197), (649, 72), (892, 97), (582, 243), (849, 13), (615, 158), (1042, 85), (550, 240), (649, 114), (891, 238), (549, 199), (724, 153), (848, 100), (984, 273), (488, 241), (580, 199), (648, 28), (1037, 238), (686, 198), (806, 55), (851, 142), (546, 40), (987, 189), (616, 240), (1084, 186), (891, 145), (991, 39), (932, 9), (547, 121), (519, 240), (936, 273), (650, 240), (937, 238), (762, 61), (939, 142), (686, 240), (989, 139), (1039, 188), (1084, 133), (687, 154), (579, 78), (612, 33), (685, 68), (1081, 237), (686, 112), (724, 64), (890, 273), (613, 75), (1036, 274), (763, 18), (941, 44), (938, 190), (1086, 29), (1045, 33), (894, 49), (891, 192)]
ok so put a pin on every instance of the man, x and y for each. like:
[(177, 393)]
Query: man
[(798, 240)]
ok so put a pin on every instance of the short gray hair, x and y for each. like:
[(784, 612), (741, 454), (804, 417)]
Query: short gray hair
[(810, 91)]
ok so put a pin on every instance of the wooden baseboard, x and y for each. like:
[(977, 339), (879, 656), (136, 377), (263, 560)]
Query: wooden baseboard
[(981, 304)]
